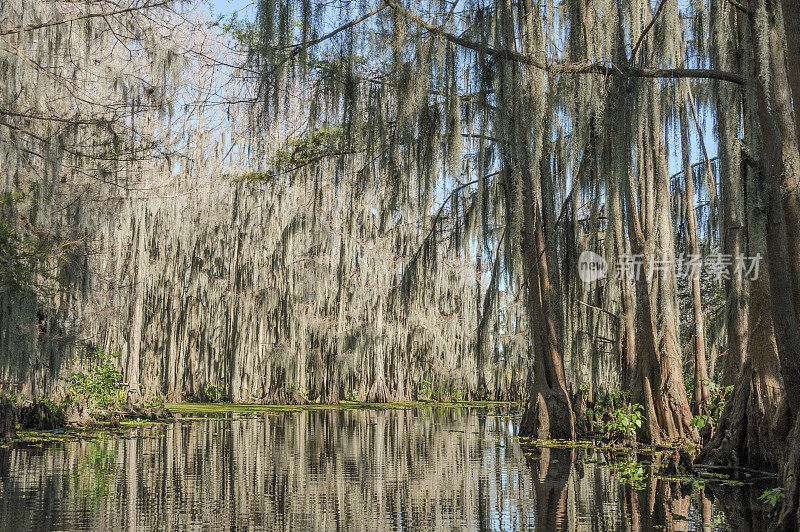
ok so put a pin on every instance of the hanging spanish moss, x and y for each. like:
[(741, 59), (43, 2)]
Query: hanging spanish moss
[(588, 207), (268, 266)]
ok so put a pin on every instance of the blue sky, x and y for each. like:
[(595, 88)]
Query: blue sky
[(228, 7)]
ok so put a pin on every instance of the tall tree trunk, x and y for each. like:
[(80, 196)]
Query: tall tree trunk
[(733, 219), (780, 169), (549, 414), (791, 21), (669, 392), (628, 346), (701, 396), (789, 518), (648, 375), (753, 424), (789, 182)]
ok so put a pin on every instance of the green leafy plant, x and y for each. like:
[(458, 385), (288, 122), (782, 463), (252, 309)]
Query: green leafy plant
[(625, 421), (456, 395), (631, 472), (700, 421), (101, 383), (12, 397), (772, 497), (719, 396), (352, 396), (245, 33), (156, 402), (424, 391), (483, 395), (617, 396), (214, 393)]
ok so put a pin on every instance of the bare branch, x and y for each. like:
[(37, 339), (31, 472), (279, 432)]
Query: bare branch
[(32, 27)]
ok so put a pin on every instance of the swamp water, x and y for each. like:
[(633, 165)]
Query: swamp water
[(425, 467)]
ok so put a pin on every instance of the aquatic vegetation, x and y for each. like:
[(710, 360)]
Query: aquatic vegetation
[(217, 408), (632, 473)]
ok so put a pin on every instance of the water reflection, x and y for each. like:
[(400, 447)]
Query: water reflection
[(426, 468)]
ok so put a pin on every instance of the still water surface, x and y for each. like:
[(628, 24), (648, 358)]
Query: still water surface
[(421, 468)]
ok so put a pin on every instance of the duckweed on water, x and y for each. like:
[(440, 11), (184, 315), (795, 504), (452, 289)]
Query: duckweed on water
[(215, 408)]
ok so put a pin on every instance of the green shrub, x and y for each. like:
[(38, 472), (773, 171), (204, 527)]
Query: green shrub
[(625, 421), (215, 394), (424, 391), (632, 473), (352, 396), (101, 383), (456, 395), (156, 402), (719, 396)]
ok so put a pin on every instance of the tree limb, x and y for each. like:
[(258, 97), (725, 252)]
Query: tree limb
[(32, 27), (607, 69)]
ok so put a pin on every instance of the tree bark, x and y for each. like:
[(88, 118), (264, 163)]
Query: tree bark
[(701, 397), (789, 517), (664, 366), (8, 421), (628, 345), (791, 21), (754, 422), (549, 414), (665, 417), (780, 170), (733, 219)]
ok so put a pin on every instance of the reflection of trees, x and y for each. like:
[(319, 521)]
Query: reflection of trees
[(576, 490), (327, 469), (432, 468), (743, 512), (551, 470)]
